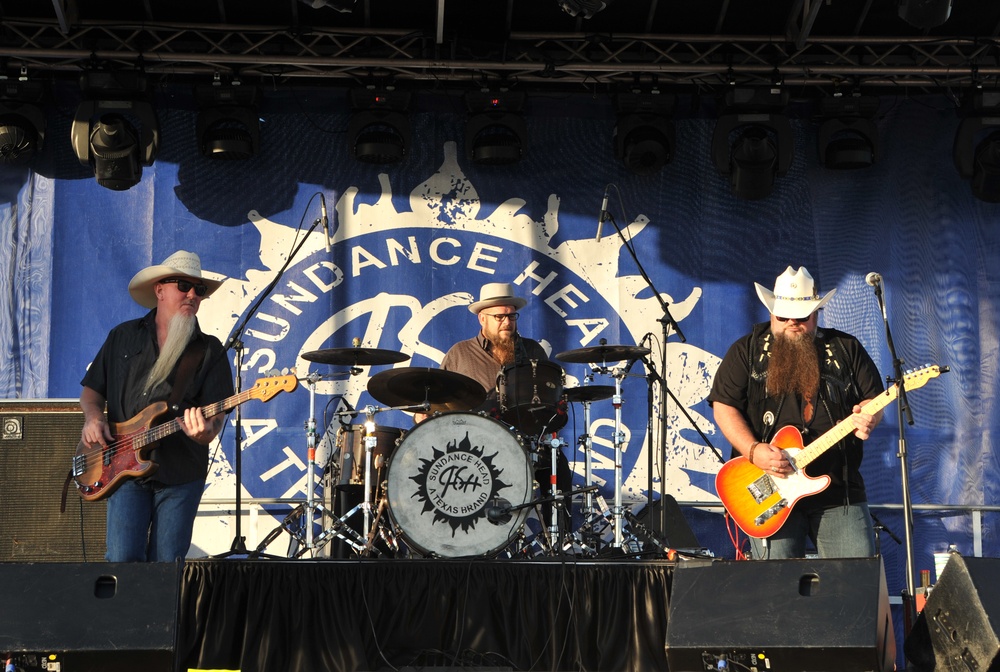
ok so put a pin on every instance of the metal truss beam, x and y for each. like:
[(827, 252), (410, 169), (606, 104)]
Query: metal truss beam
[(284, 55)]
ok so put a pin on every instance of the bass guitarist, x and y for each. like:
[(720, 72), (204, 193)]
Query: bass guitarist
[(788, 372), (163, 356)]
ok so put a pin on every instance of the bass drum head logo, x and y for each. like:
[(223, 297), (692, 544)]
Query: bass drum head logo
[(445, 476)]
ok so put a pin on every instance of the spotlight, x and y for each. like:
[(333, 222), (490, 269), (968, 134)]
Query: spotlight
[(753, 144), (848, 138), (22, 123), (104, 135), (586, 7), (379, 130), (495, 133), (644, 136), (924, 13), (228, 126), (981, 164)]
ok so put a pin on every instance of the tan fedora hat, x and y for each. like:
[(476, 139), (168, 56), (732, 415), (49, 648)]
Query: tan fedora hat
[(497, 294), (181, 264)]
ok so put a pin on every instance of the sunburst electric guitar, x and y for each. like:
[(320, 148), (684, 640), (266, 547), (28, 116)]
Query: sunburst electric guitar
[(99, 471), (760, 503)]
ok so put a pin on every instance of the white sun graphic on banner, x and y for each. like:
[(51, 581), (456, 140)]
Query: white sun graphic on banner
[(401, 278)]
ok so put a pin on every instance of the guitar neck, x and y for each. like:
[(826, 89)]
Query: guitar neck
[(167, 428), (841, 429)]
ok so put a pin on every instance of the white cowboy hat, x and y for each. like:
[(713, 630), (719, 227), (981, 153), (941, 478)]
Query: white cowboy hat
[(497, 294), (794, 294), (179, 264)]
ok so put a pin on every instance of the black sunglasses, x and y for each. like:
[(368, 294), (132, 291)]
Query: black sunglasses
[(795, 319), (184, 286)]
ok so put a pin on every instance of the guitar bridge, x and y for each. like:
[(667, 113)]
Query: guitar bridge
[(762, 488)]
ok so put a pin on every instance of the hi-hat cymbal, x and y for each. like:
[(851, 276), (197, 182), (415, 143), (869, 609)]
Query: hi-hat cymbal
[(589, 393), (602, 353), (354, 356), (412, 385)]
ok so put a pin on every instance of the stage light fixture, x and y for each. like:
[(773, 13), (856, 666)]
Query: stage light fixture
[(924, 13), (379, 129), (753, 142), (495, 133), (228, 127), (22, 122), (848, 137), (977, 146), (104, 133), (585, 7), (644, 136)]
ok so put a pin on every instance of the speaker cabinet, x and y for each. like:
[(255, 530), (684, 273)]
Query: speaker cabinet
[(811, 615), (100, 617), (38, 439), (957, 629)]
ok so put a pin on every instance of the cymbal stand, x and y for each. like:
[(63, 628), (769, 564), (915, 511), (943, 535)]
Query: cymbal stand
[(591, 515), (618, 510), (555, 444)]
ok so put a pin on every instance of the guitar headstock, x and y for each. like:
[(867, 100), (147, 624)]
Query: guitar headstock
[(917, 378), (265, 388)]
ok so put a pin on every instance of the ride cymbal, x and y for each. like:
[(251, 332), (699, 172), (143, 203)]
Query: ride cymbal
[(589, 393), (602, 353), (412, 385), (354, 356)]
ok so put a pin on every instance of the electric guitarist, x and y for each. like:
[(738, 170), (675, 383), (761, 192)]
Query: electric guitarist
[(790, 373), (163, 356)]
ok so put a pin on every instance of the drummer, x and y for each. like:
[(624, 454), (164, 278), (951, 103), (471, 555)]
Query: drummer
[(497, 345)]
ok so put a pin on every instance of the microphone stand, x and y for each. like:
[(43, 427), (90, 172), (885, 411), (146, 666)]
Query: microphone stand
[(667, 322), (902, 411), (238, 546)]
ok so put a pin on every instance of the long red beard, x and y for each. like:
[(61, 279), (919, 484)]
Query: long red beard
[(793, 366)]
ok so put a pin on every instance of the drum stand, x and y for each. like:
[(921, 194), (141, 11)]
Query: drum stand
[(587, 535)]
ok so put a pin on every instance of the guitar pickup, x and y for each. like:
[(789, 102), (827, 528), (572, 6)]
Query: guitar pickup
[(79, 465), (762, 488), (768, 514)]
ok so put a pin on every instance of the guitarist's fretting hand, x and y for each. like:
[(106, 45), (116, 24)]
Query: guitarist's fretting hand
[(863, 422), (200, 429)]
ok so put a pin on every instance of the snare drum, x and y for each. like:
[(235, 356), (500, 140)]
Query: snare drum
[(531, 397), (351, 444), (449, 482)]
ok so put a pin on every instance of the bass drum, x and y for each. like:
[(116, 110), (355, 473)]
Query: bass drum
[(450, 483)]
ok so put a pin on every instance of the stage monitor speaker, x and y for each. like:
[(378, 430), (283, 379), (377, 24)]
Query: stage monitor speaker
[(809, 615), (91, 617), (37, 442), (957, 628)]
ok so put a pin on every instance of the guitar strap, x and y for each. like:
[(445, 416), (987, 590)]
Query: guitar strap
[(193, 354)]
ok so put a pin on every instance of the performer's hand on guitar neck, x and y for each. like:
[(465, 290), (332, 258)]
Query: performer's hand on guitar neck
[(200, 429), (863, 422)]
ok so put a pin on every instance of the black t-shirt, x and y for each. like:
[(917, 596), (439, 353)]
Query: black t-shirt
[(848, 376), (119, 372)]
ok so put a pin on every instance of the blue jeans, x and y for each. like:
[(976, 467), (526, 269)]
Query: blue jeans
[(151, 522), (837, 532)]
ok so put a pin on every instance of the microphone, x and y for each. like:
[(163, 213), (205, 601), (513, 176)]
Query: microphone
[(499, 512), (873, 279), (604, 210), (326, 221)]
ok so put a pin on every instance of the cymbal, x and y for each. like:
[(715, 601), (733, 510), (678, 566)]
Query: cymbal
[(354, 356), (412, 385), (602, 353), (589, 393)]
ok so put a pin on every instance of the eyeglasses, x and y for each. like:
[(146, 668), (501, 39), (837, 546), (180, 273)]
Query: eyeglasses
[(794, 319), (503, 316), (185, 286)]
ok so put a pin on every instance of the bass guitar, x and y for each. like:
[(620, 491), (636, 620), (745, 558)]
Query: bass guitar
[(98, 471), (760, 503)]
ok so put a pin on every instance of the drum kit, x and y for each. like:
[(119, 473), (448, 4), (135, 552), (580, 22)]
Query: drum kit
[(461, 483)]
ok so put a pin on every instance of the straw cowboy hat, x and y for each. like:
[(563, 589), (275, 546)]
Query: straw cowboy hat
[(497, 294), (794, 294), (180, 264)]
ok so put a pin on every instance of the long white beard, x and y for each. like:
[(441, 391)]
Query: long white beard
[(178, 336)]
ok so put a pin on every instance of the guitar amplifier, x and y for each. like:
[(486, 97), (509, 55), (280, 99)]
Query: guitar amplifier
[(809, 615), (38, 439)]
